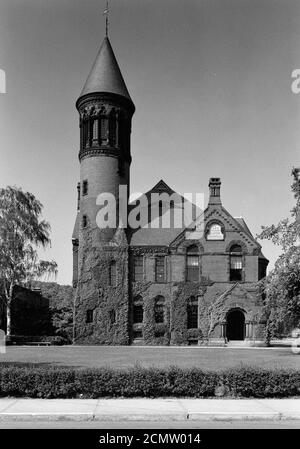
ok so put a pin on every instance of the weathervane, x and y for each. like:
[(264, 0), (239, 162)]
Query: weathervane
[(106, 13)]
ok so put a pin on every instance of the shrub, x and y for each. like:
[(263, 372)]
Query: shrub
[(44, 382)]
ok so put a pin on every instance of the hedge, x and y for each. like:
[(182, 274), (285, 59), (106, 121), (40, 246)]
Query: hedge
[(48, 382)]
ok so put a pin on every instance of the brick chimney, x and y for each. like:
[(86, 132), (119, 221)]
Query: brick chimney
[(214, 191)]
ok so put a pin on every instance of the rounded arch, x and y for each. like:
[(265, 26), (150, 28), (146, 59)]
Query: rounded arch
[(221, 229), (188, 244), (236, 243), (192, 249), (235, 324), (138, 299)]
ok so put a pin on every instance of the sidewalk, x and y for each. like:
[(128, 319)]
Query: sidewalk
[(113, 410)]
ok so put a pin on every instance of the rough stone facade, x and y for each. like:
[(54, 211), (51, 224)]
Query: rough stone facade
[(164, 286)]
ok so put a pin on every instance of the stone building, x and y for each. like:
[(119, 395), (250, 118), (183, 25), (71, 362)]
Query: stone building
[(177, 285)]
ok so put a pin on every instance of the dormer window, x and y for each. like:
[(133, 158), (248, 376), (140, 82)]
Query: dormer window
[(236, 263)]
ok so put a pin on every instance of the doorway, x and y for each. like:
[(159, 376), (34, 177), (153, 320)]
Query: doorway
[(235, 328)]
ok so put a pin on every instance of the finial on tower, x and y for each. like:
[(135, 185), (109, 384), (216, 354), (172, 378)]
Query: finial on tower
[(106, 14)]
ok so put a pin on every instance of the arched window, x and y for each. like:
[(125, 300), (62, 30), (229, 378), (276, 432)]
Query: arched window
[(214, 231), (236, 263), (192, 313), (104, 132), (192, 264), (95, 131), (159, 309), (113, 274), (84, 132), (138, 312)]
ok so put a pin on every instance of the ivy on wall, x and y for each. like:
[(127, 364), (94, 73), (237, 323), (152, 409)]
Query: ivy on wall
[(94, 293)]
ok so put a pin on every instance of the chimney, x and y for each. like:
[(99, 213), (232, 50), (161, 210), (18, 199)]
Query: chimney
[(214, 191)]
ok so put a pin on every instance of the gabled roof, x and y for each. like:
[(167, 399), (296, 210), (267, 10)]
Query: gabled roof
[(148, 236), (105, 75)]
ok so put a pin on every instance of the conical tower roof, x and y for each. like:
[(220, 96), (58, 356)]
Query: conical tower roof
[(105, 75)]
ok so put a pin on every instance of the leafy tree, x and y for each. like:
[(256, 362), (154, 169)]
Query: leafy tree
[(281, 288), (61, 302), (22, 232)]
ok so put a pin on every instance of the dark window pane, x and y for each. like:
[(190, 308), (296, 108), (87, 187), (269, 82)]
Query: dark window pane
[(160, 269), (113, 274), (84, 188), (112, 316), (236, 249), (138, 268), (138, 314), (89, 316), (159, 313), (192, 315), (236, 268)]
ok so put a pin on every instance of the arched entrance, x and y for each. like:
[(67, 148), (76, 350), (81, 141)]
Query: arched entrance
[(235, 325)]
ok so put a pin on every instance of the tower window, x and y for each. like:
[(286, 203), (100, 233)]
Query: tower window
[(89, 316), (192, 264), (113, 274), (84, 221), (113, 129), (104, 130), (192, 313), (160, 269), (138, 268), (159, 309), (236, 263), (85, 187)]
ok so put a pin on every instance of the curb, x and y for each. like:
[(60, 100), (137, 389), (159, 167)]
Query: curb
[(201, 416)]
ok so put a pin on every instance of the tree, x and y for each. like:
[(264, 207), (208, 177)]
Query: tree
[(281, 288), (22, 232)]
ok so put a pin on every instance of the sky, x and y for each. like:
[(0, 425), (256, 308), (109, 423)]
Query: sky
[(211, 82)]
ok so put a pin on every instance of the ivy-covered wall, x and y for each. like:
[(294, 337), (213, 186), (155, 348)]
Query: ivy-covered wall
[(109, 304)]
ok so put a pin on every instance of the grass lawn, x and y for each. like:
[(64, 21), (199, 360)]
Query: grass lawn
[(126, 356)]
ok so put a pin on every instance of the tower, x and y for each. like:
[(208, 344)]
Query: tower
[(105, 114)]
